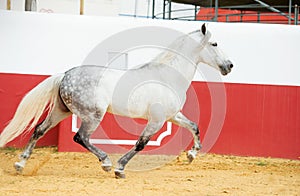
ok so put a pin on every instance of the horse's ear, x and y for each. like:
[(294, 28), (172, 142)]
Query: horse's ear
[(203, 29)]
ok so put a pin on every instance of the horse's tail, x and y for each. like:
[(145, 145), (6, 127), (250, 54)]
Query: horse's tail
[(32, 107)]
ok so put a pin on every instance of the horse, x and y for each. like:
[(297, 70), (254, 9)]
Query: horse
[(155, 91)]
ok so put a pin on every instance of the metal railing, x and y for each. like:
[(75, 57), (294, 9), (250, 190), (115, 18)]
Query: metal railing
[(273, 16), (260, 18)]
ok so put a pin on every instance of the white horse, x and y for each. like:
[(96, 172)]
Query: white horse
[(155, 91)]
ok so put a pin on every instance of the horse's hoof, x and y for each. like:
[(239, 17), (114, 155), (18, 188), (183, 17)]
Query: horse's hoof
[(190, 156), (106, 164), (106, 168), (119, 174), (19, 167)]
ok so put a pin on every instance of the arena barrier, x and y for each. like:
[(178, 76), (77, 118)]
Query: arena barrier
[(254, 111)]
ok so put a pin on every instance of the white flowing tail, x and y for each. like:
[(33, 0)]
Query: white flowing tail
[(31, 108)]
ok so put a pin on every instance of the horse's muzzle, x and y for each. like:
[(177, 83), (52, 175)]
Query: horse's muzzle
[(226, 68)]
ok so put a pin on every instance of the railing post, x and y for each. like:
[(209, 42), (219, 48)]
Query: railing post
[(195, 12), (153, 9), (296, 14), (81, 7), (241, 17), (30, 5), (216, 10), (8, 4), (290, 11), (135, 8), (170, 9), (164, 9)]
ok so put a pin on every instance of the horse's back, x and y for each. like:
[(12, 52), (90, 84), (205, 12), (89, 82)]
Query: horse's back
[(127, 93)]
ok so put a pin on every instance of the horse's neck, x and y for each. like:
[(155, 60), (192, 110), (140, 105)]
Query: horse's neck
[(180, 57)]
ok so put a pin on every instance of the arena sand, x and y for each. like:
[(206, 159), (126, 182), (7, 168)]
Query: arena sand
[(49, 172)]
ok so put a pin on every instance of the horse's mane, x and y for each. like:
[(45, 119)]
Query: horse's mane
[(171, 51)]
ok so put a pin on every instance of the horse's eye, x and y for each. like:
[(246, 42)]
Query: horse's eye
[(214, 44)]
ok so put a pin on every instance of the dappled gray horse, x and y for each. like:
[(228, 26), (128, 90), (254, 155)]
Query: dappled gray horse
[(155, 91)]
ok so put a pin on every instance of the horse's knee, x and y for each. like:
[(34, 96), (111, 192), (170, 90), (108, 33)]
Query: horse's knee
[(78, 140), (139, 146), (141, 143)]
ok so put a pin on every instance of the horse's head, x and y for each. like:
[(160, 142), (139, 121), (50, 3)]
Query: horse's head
[(209, 53)]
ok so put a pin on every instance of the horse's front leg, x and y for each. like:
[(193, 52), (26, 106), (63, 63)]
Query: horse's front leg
[(148, 132), (181, 120), (155, 122)]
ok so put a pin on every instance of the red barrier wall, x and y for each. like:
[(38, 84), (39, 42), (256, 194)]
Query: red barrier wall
[(260, 120)]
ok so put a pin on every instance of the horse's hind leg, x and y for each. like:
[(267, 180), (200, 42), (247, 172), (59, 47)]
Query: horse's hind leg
[(88, 126), (181, 120), (59, 112)]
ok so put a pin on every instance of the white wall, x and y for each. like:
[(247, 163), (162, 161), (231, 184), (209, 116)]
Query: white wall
[(49, 43)]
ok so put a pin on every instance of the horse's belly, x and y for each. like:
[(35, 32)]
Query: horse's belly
[(137, 102)]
